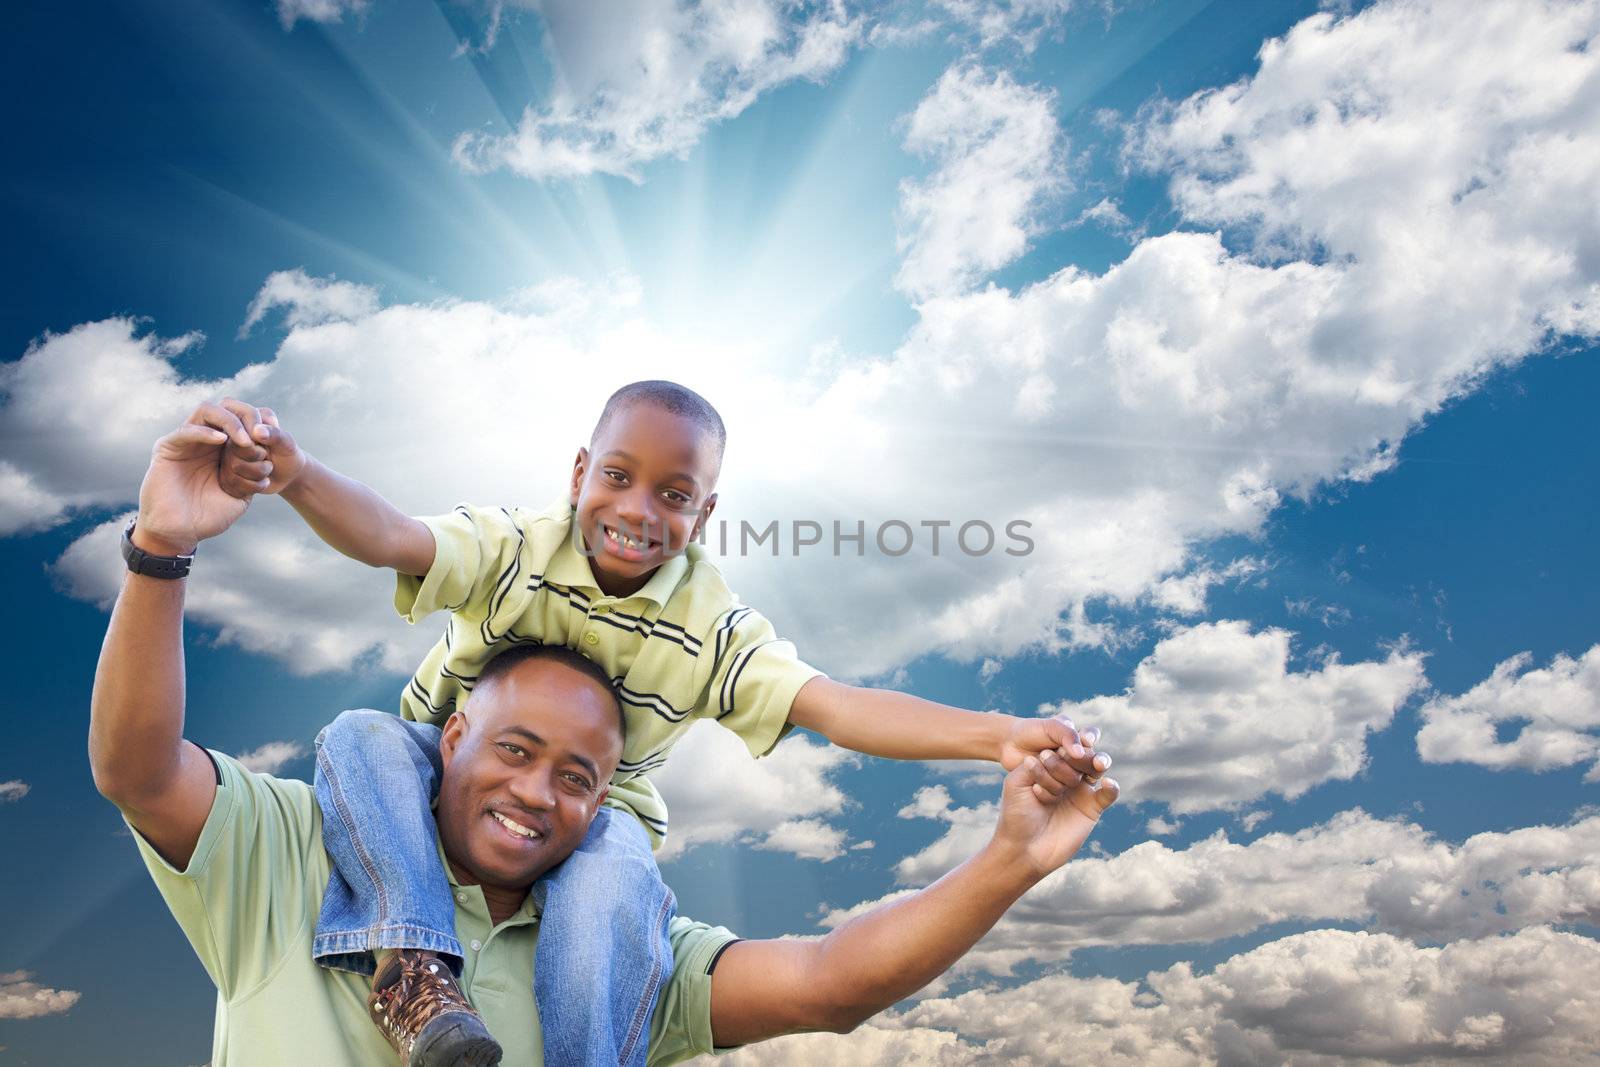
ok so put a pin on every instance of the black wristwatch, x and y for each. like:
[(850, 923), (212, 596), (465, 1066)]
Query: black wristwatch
[(141, 562)]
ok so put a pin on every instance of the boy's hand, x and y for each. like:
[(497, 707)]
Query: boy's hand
[(1033, 737), (270, 464), (182, 501), (1047, 811)]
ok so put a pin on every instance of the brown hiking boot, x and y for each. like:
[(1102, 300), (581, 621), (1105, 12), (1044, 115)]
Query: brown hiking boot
[(418, 1005)]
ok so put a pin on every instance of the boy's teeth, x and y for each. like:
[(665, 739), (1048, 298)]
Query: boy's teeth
[(514, 827), (624, 539)]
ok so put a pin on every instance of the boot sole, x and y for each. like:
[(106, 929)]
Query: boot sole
[(456, 1040)]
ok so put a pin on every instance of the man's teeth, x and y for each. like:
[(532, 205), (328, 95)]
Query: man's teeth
[(514, 827), (624, 539)]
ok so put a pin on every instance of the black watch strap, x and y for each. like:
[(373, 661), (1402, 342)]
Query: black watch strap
[(141, 562)]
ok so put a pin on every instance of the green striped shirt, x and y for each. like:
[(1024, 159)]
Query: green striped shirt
[(680, 649)]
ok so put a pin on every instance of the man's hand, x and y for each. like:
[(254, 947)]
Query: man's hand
[(762, 989), (1048, 808), (182, 501), (1035, 737), (268, 461)]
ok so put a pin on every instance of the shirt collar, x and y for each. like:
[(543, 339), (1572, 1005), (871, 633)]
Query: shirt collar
[(569, 567), (528, 912)]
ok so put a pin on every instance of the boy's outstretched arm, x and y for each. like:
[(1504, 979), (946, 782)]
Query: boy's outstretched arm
[(345, 513), (881, 722)]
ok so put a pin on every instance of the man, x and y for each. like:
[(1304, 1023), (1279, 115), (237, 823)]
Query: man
[(239, 858)]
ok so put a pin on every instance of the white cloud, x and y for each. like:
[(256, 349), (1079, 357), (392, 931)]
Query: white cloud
[(810, 839), (1185, 594), (271, 757), (1180, 394), (639, 80), (1386, 874), (1557, 706), (1105, 213), (1309, 607), (1159, 827), (15, 789), (717, 792), (1172, 400), (997, 22), (23, 998), (1214, 717), (24, 505), (309, 301), (292, 11), (1252, 819), (270, 586), (995, 146), (873, 1045), (1326, 993), (82, 410), (1451, 152), (929, 802), (1315, 999)]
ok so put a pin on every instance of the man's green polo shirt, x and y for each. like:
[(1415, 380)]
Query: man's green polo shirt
[(248, 903)]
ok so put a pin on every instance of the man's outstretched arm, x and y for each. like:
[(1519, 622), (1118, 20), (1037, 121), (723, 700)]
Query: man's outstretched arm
[(164, 785), (764, 989)]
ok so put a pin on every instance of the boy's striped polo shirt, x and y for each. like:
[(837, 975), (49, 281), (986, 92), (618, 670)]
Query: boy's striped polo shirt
[(682, 648)]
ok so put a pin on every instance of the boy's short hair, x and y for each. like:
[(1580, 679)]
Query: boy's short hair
[(512, 656), (670, 397)]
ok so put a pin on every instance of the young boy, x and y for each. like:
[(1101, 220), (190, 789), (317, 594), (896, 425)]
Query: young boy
[(612, 572)]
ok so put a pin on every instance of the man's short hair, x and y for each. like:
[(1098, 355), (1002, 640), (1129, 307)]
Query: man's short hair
[(512, 656), (672, 398)]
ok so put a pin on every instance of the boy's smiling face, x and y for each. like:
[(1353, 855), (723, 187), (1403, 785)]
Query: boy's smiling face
[(642, 490)]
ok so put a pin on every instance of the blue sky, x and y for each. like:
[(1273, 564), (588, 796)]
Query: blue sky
[(1276, 322)]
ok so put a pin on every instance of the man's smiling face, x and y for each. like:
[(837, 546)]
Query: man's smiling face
[(526, 765), (642, 490)]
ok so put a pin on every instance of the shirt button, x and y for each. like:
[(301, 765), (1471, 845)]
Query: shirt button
[(591, 638), (461, 897), (601, 609), (476, 945)]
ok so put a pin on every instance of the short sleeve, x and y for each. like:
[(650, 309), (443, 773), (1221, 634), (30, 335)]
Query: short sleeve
[(474, 550), (681, 1026), (754, 679), (241, 900)]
